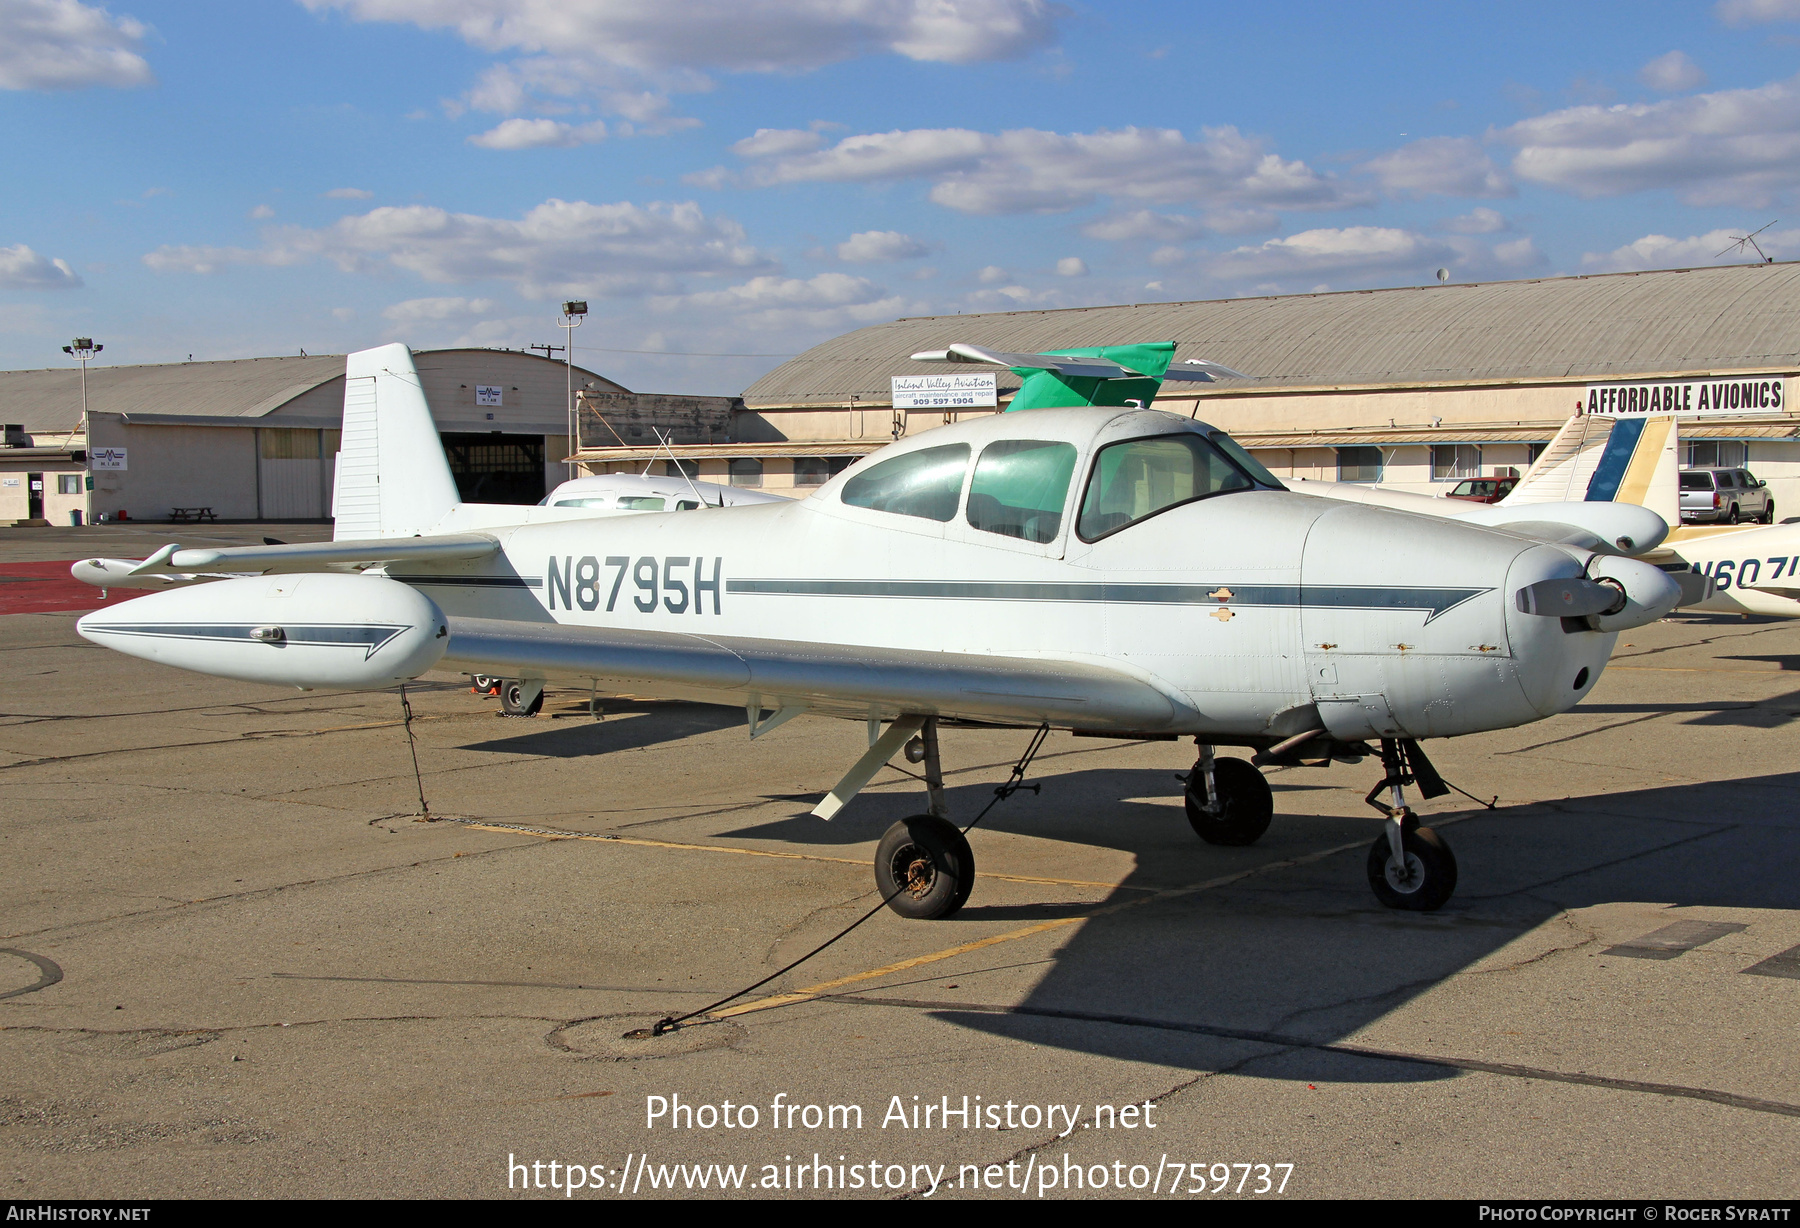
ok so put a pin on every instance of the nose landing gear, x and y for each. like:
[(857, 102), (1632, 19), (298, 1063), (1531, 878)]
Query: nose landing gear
[(1410, 867)]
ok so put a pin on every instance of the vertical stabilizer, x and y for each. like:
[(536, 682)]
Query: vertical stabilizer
[(392, 478), (1596, 458)]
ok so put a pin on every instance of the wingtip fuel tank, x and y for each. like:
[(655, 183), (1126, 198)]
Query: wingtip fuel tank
[(330, 632)]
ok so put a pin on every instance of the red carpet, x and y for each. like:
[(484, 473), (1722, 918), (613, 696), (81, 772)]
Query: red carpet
[(48, 588)]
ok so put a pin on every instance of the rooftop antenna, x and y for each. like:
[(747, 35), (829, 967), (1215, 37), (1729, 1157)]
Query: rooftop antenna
[(1443, 275), (1738, 242), (665, 443)]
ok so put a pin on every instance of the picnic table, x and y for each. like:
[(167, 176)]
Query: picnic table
[(192, 513)]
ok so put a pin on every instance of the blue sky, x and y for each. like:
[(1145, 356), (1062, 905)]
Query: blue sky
[(749, 177)]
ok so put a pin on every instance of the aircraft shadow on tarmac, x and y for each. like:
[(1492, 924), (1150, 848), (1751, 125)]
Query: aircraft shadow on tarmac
[(1758, 714), (628, 725), (1305, 951)]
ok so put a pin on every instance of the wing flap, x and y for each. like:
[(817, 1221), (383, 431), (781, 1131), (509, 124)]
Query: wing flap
[(822, 675)]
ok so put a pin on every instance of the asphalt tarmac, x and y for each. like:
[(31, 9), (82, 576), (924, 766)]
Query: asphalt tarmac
[(235, 961)]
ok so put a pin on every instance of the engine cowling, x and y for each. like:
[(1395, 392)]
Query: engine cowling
[(325, 631)]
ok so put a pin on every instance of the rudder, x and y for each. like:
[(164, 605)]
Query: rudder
[(392, 477)]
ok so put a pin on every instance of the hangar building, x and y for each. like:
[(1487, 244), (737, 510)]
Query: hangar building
[(1414, 388), (255, 438)]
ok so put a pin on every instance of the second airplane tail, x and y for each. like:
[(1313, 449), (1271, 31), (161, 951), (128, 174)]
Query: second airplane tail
[(1601, 459)]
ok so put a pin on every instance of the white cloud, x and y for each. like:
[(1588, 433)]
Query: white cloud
[(1444, 165), (1143, 224), (1664, 252), (827, 301), (1520, 253), (63, 44), (1730, 147), (1355, 251), (991, 274), (1031, 171), (519, 133), (204, 259), (1749, 12), (878, 246), (1478, 221), (558, 247), (778, 142), (262, 212), (23, 269), (610, 50), (1671, 73), (735, 35), (437, 310), (1071, 266), (348, 194)]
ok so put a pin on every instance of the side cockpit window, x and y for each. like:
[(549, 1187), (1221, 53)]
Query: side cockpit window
[(926, 483), (1141, 477), (1019, 488)]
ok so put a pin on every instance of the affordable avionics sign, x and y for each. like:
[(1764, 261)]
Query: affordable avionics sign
[(1760, 394)]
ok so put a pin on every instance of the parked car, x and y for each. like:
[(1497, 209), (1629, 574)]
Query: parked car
[(1724, 496), (1483, 490)]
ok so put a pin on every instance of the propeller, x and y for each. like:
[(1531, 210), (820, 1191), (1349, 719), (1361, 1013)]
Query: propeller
[(1576, 598)]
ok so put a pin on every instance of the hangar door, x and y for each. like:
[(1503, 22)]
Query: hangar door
[(493, 467), (290, 480)]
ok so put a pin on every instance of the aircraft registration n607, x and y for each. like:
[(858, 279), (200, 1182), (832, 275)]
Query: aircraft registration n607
[(1090, 566)]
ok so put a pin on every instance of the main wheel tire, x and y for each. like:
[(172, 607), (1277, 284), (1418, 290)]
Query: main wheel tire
[(924, 868), (1430, 876), (511, 696), (1248, 803), (1736, 516), (1768, 516)]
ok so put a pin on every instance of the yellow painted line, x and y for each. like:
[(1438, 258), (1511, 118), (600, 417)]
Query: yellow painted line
[(813, 991), (823, 988), (640, 842)]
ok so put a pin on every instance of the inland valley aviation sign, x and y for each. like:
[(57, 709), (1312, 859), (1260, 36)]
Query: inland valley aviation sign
[(945, 391)]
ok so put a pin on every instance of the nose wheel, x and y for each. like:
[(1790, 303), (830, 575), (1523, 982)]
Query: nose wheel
[(1410, 867)]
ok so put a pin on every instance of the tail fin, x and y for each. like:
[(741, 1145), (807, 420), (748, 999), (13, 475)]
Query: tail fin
[(1600, 459), (392, 477)]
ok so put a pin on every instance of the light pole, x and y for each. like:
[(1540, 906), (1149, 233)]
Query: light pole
[(573, 312), (82, 350)]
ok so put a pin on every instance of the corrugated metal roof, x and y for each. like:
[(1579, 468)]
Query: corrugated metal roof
[(1605, 326), (245, 387), (49, 401)]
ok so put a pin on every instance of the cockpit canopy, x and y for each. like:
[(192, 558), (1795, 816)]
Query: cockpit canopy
[(1019, 471)]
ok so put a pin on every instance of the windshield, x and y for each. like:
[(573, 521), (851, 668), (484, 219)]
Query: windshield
[(1136, 479), (1248, 463)]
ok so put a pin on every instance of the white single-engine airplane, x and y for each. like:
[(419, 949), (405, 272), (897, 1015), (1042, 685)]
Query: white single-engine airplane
[(1101, 568)]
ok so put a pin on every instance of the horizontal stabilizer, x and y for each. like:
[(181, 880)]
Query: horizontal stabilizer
[(825, 676), (309, 556), (1201, 371), (1087, 368)]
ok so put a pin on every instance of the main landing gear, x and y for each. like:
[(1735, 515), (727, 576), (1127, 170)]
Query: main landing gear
[(1228, 801), (924, 867), (1410, 867)]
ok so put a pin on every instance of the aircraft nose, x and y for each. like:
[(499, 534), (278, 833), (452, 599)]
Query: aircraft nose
[(1552, 610)]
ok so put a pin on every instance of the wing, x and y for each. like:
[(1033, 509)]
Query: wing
[(1093, 368), (838, 679), (174, 563)]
